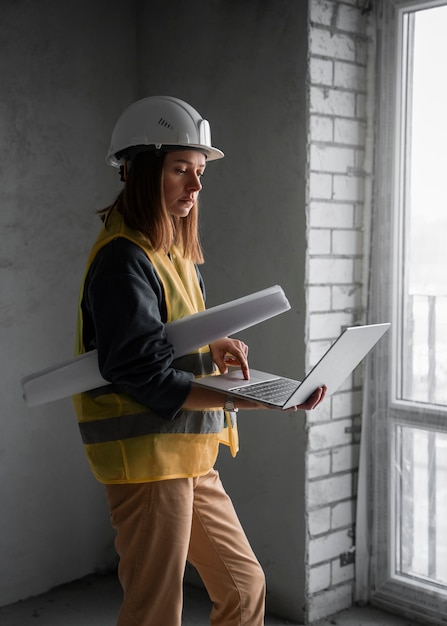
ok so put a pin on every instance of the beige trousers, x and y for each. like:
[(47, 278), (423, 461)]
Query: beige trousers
[(163, 524)]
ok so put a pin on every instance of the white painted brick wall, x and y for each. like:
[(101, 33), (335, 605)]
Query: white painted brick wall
[(329, 601), (350, 132), (326, 101), (348, 18), (346, 242), (321, 414), (342, 514), (334, 433), (320, 521), (345, 458), (320, 298), (320, 241), (325, 158), (345, 296), (341, 574), (334, 290), (329, 546), (315, 350), (349, 76), (320, 12), (322, 184), (344, 404), (347, 188), (339, 270), (330, 215), (321, 71), (328, 325), (335, 46), (322, 128), (320, 577), (318, 464)]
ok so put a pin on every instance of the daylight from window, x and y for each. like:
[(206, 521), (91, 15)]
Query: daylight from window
[(425, 213), (420, 453)]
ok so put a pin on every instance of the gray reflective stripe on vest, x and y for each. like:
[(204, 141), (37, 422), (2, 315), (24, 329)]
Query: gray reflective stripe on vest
[(148, 423)]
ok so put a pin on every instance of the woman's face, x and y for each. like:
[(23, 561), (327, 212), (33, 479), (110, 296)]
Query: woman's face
[(182, 171)]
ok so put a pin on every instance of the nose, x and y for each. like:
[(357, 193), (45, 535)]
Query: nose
[(194, 183)]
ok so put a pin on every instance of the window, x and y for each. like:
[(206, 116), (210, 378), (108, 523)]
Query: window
[(408, 379), (421, 316)]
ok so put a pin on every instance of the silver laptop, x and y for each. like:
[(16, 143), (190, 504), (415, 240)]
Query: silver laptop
[(331, 370)]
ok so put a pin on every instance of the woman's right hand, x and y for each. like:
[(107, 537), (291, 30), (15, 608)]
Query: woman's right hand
[(311, 403)]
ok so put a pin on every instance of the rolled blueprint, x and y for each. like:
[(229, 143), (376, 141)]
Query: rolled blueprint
[(186, 335)]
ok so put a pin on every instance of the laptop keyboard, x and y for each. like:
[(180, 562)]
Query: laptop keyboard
[(275, 391)]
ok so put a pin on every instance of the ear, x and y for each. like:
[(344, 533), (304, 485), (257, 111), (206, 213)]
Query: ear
[(123, 172)]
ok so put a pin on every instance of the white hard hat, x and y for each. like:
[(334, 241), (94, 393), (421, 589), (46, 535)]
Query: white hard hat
[(160, 121)]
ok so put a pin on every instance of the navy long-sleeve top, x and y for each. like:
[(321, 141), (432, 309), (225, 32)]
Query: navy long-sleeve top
[(124, 312)]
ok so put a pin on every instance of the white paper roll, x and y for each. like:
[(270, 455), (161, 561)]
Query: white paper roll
[(186, 335)]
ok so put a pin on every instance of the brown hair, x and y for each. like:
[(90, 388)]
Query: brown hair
[(142, 205)]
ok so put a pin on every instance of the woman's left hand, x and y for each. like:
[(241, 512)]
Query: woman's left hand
[(312, 402), (228, 351)]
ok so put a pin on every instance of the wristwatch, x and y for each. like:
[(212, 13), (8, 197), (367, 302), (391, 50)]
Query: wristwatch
[(229, 404)]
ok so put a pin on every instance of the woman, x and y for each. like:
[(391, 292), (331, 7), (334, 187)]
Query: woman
[(151, 436)]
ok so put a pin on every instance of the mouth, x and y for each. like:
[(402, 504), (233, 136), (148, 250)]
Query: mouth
[(187, 200)]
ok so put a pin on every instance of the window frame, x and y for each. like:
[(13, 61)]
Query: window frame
[(399, 185), (390, 590)]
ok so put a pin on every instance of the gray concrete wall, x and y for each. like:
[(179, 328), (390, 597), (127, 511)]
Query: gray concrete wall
[(65, 76), (243, 66), (67, 71)]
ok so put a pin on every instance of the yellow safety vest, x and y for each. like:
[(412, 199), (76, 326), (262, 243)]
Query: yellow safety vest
[(126, 442)]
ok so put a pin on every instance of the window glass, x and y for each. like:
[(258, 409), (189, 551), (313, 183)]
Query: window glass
[(423, 253), (421, 493)]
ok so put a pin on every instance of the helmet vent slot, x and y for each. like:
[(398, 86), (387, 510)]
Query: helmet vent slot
[(164, 123)]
